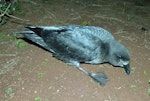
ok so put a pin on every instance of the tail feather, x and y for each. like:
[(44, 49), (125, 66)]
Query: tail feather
[(35, 38), (44, 30), (37, 33), (35, 29)]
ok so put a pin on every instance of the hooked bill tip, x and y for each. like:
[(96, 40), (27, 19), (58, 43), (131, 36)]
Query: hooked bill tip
[(127, 69)]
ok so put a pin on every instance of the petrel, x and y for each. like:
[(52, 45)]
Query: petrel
[(75, 44)]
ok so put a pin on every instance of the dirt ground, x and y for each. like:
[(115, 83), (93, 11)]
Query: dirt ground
[(29, 73)]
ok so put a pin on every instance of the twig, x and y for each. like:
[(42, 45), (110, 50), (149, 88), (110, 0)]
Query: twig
[(5, 10), (16, 17), (11, 16), (8, 55)]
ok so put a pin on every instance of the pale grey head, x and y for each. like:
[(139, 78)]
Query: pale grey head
[(119, 56)]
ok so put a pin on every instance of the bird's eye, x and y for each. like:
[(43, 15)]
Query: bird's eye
[(120, 57)]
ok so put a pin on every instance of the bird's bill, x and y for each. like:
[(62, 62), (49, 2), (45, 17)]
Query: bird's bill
[(127, 68)]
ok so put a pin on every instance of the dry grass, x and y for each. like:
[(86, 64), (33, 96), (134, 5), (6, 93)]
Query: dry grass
[(10, 65)]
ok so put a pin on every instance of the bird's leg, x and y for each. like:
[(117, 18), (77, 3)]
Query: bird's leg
[(99, 77), (77, 65)]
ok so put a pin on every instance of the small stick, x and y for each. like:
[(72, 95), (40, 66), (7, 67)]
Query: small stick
[(7, 55), (11, 16), (16, 17), (5, 10)]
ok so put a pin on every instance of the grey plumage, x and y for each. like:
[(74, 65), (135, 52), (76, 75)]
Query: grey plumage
[(75, 44)]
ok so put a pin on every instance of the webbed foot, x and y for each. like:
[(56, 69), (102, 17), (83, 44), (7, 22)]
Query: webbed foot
[(99, 77)]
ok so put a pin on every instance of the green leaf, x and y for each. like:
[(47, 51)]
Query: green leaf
[(43, 63), (21, 44), (133, 70), (149, 81), (9, 91), (84, 23), (38, 99), (1, 36), (40, 75), (15, 7), (149, 91), (145, 72), (132, 86)]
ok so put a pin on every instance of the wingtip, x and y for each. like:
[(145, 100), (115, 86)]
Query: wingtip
[(29, 26)]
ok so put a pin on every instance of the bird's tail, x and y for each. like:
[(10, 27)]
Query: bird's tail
[(36, 29), (45, 30), (30, 35)]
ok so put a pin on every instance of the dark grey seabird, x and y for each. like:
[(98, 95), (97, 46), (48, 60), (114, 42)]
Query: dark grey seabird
[(75, 44)]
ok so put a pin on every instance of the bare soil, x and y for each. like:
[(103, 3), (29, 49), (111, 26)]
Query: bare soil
[(29, 73)]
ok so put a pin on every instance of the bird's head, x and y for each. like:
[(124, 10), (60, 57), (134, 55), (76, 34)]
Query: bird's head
[(119, 56)]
